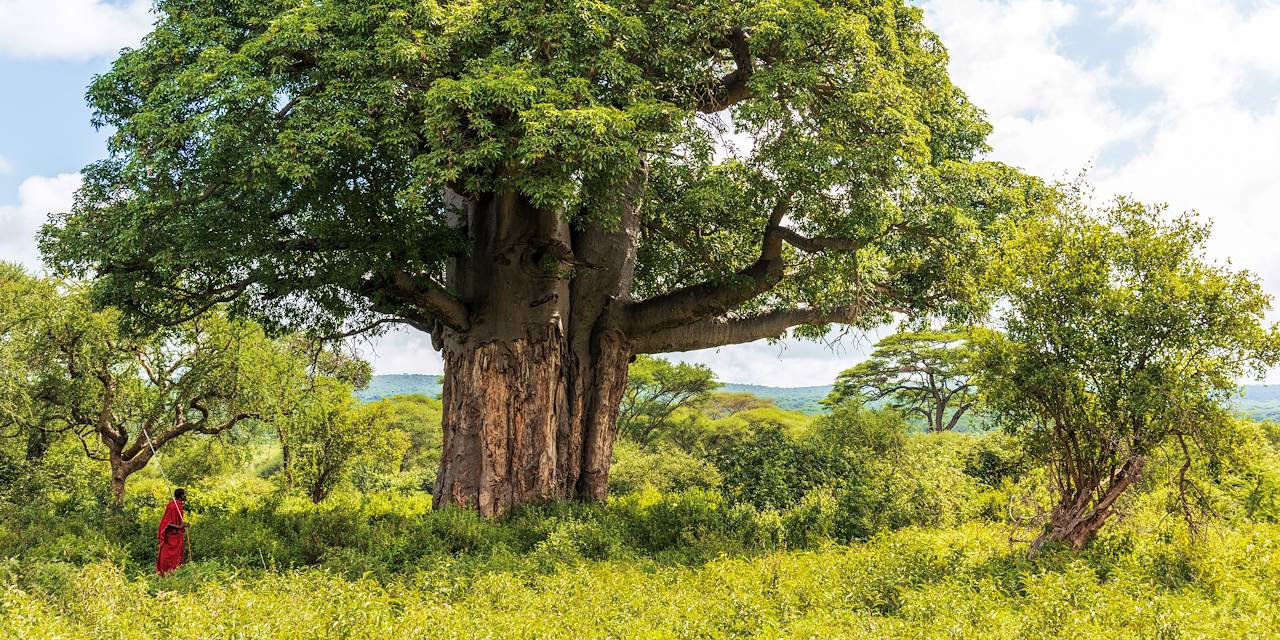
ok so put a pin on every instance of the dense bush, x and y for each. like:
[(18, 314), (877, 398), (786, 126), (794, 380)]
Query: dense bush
[(769, 470), (665, 468), (876, 476)]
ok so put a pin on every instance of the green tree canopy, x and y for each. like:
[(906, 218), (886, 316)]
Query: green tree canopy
[(926, 374), (329, 432), (655, 389), (1121, 338), (70, 371), (598, 179)]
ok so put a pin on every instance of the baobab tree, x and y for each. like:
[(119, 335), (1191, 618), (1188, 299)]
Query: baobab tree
[(547, 189)]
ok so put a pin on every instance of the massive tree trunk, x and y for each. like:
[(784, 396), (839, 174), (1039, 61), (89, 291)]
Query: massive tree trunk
[(532, 381)]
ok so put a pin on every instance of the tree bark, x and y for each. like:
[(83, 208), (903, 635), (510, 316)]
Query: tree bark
[(1078, 517), (117, 486), (532, 385), (121, 469), (537, 345)]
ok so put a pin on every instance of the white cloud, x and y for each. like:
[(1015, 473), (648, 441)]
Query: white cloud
[(402, 350), (1050, 112), (70, 29), (1199, 52), (1212, 152), (1201, 147), (5, 166), (38, 196)]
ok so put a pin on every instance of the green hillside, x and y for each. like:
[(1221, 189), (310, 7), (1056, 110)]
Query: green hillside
[(803, 399), (398, 384), (1260, 401)]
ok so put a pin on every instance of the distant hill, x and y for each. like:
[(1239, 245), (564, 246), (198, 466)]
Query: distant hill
[(1260, 401), (398, 384), (802, 399)]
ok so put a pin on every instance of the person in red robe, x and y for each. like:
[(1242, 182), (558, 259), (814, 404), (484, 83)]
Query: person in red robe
[(172, 534)]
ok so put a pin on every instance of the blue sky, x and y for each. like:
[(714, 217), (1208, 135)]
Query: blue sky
[(1173, 101)]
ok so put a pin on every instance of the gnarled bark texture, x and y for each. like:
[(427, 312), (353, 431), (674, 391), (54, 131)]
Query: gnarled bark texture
[(532, 380)]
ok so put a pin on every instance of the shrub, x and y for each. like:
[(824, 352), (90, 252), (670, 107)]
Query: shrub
[(769, 470), (995, 457), (576, 541), (665, 468), (811, 521)]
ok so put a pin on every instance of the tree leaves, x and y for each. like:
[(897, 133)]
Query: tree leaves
[(286, 154)]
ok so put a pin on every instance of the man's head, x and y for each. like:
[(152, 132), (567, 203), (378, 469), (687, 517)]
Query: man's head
[(179, 494)]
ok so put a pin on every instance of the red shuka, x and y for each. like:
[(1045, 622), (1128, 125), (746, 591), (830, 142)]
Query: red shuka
[(172, 538)]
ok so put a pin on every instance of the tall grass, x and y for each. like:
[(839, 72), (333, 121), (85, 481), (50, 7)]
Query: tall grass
[(961, 583)]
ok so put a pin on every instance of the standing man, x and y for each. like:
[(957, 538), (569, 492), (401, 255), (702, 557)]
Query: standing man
[(172, 534)]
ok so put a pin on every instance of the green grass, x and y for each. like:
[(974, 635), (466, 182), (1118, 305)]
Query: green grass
[(961, 583)]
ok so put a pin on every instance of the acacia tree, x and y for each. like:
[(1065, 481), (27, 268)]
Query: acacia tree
[(547, 189), (1121, 339), (126, 397), (923, 373), (655, 389)]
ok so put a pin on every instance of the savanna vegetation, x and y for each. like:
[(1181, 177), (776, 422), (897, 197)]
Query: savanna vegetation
[(558, 193)]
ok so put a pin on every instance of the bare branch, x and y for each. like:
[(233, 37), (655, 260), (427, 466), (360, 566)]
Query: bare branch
[(723, 331), (365, 328)]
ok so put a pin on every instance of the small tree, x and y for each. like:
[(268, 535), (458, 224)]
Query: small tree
[(126, 397), (1121, 338), (922, 373), (330, 430), (655, 389), (418, 417), (723, 404)]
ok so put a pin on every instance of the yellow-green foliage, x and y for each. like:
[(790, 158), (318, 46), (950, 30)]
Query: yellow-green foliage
[(694, 430), (666, 468), (960, 583)]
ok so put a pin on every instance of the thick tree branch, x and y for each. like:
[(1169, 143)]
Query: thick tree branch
[(814, 245), (430, 299), (733, 87), (718, 332), (714, 298)]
